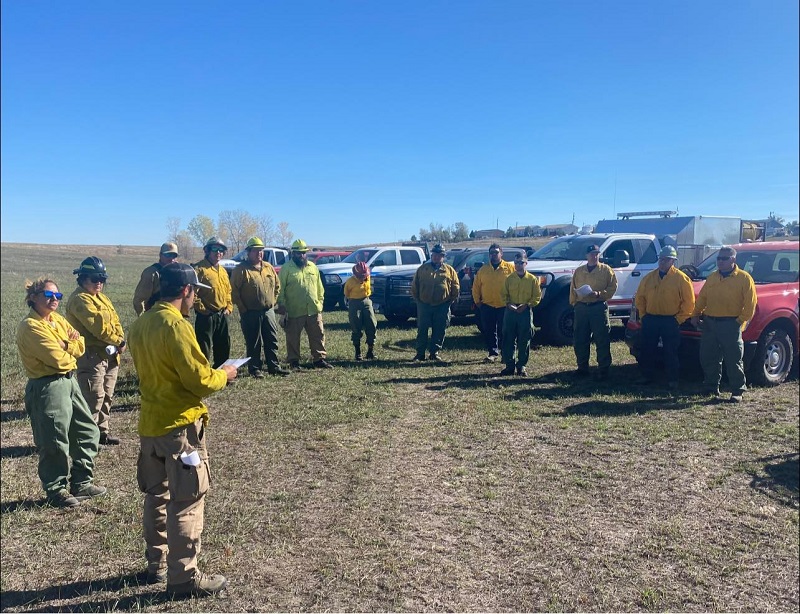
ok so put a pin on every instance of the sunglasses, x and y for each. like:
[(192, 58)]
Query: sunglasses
[(49, 294), (220, 250), (723, 257), (494, 251), (98, 279)]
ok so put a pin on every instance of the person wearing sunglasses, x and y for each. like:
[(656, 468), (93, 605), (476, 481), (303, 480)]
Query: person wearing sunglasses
[(94, 317), (213, 304), (62, 423), (726, 302), (172, 469), (148, 289)]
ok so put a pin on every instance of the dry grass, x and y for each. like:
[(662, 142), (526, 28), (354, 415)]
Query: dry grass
[(390, 486)]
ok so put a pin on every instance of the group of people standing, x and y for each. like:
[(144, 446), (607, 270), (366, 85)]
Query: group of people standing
[(73, 362)]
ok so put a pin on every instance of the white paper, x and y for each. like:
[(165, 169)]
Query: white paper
[(584, 290), (236, 362), (191, 459)]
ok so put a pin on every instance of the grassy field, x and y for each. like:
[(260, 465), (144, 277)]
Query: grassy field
[(392, 486)]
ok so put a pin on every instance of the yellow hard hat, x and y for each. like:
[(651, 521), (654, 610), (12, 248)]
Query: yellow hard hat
[(299, 246)]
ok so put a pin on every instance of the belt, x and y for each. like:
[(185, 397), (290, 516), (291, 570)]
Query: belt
[(603, 303), (210, 313), (720, 318), (68, 375)]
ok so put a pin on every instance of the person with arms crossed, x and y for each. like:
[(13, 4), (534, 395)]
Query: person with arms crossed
[(62, 423), (172, 469), (726, 302), (486, 290)]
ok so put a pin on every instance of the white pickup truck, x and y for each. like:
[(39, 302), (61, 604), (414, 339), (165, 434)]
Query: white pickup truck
[(632, 256), (381, 261)]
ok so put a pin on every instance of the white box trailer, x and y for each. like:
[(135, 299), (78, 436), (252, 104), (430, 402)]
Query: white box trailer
[(695, 237)]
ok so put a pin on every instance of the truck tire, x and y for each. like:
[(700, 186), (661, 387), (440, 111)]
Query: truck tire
[(329, 305), (774, 356), (559, 321)]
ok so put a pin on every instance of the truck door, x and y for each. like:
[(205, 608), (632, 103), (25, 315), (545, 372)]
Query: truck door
[(628, 277), (383, 259)]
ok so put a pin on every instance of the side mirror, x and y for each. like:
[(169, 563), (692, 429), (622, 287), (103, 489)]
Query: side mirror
[(621, 259), (377, 263)]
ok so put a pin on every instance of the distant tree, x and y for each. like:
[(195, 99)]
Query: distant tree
[(266, 229), (185, 243), (413, 237), (200, 229), (460, 232), (472, 234), (510, 232), (793, 228), (173, 228), (528, 231), (236, 227), (285, 235)]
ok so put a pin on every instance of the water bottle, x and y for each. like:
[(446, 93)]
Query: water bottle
[(111, 350)]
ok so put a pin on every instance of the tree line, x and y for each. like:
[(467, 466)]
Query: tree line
[(233, 227)]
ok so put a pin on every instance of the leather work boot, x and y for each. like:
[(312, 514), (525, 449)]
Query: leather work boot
[(257, 374), (62, 499), (322, 364), (522, 372), (88, 491), (509, 370), (200, 586), (294, 365), (156, 577), (279, 371), (370, 352), (419, 358), (357, 347), (108, 440)]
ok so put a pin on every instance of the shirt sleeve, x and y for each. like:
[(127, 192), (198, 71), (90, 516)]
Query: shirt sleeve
[(611, 288), (476, 288), (749, 301), (641, 297), (100, 323), (237, 279), (687, 300), (536, 292), (144, 290)]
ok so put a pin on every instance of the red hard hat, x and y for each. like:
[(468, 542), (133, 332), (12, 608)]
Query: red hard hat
[(361, 270)]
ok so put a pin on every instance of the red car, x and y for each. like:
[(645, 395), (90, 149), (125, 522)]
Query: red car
[(772, 337)]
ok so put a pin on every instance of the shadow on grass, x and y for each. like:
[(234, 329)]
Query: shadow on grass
[(15, 506), (38, 600), (781, 481), (17, 451), (13, 415), (127, 384)]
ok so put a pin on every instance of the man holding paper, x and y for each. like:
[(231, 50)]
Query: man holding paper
[(592, 285), (172, 469)]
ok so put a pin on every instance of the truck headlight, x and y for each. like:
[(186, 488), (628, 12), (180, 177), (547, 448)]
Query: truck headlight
[(332, 280)]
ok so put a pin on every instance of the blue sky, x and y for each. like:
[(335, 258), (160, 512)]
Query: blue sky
[(362, 121)]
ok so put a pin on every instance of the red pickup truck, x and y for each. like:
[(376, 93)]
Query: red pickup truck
[(772, 337)]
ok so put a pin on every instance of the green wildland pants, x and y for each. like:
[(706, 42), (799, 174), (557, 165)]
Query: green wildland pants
[(62, 428), (722, 341), (517, 328), (592, 323)]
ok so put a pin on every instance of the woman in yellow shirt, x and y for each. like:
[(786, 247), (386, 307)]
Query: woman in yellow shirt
[(62, 423)]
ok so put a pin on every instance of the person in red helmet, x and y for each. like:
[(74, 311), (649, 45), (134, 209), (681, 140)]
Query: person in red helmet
[(357, 291)]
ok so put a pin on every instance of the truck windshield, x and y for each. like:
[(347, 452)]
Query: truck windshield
[(360, 255), (565, 248)]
